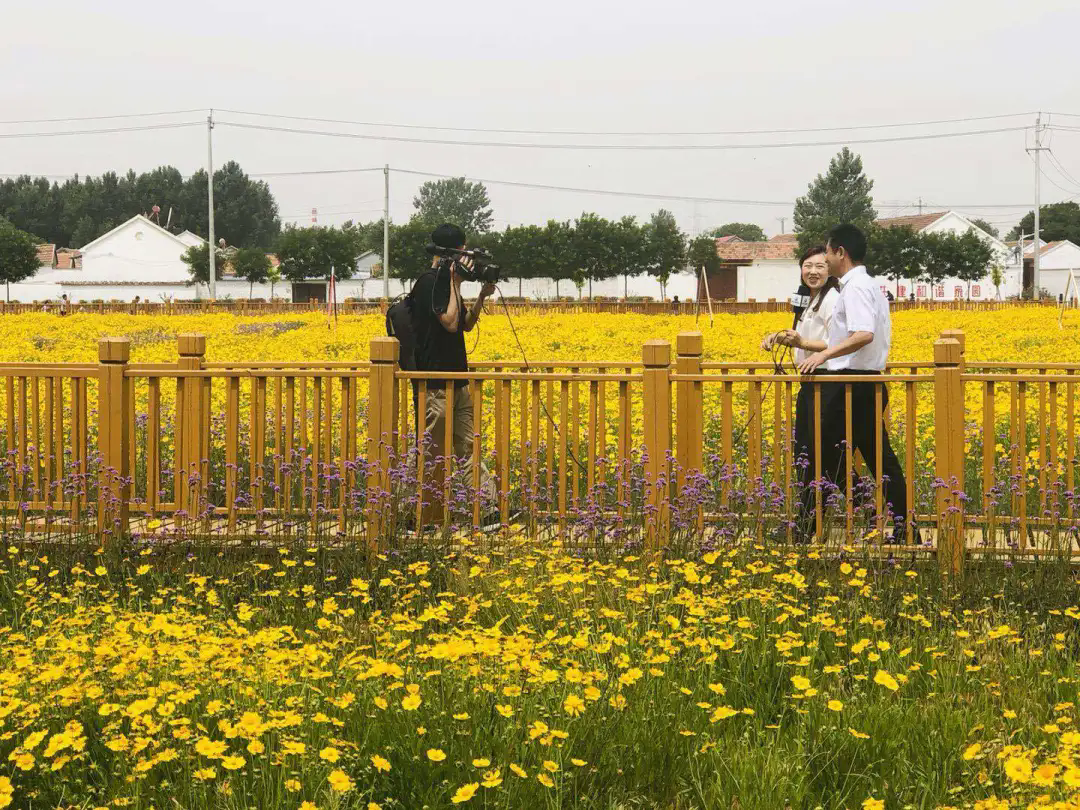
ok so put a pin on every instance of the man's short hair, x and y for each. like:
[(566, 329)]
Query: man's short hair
[(448, 236), (851, 239)]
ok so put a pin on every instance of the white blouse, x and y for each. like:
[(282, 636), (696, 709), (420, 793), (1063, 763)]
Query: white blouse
[(815, 325)]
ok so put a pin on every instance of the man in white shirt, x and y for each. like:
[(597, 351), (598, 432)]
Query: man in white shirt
[(860, 334)]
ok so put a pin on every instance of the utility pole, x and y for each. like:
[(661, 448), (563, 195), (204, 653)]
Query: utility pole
[(920, 206), (386, 234), (1037, 149), (210, 196), (782, 221)]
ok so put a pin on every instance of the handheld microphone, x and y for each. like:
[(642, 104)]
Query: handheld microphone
[(799, 302)]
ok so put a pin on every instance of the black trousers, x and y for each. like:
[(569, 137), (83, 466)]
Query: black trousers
[(834, 448)]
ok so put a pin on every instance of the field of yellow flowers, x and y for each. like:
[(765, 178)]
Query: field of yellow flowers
[(733, 675), (1010, 334)]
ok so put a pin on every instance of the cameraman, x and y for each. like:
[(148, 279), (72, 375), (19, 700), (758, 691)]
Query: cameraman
[(440, 321)]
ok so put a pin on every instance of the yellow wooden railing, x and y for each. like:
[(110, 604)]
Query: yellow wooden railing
[(657, 448)]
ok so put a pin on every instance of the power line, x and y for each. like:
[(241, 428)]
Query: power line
[(1064, 172), (1053, 182), (99, 117), (621, 147), (608, 192), (688, 133), (144, 128), (614, 193), (313, 172)]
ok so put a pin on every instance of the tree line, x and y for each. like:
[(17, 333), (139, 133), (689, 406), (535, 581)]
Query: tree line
[(79, 210), (576, 252)]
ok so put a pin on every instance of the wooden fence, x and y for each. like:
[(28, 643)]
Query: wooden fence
[(516, 306), (661, 449)]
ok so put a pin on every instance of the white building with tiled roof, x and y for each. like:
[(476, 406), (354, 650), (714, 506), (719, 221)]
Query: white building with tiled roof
[(1057, 260), (764, 271), (953, 288)]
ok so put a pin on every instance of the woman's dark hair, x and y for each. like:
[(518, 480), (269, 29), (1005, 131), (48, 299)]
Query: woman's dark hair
[(830, 283), (813, 250)]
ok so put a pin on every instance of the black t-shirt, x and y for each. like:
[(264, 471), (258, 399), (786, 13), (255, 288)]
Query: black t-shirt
[(436, 348)]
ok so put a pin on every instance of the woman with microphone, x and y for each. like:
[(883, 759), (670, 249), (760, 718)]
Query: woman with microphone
[(809, 336)]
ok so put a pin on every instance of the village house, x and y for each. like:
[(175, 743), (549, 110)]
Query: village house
[(764, 271)]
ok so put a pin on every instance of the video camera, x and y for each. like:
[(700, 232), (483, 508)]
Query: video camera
[(483, 270)]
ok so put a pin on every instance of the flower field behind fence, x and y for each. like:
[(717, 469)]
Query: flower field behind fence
[(732, 675)]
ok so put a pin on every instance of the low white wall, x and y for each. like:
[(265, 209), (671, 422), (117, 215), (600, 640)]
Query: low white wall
[(683, 285)]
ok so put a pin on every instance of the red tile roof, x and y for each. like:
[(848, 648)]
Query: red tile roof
[(785, 237), (916, 222), (46, 255), (728, 239), (68, 259), (749, 251)]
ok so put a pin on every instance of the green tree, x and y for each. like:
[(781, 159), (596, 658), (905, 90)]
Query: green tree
[(245, 211), (310, 253), (408, 249), (557, 252), (841, 195), (596, 247), (273, 275), (519, 250), (896, 253), (665, 247), (252, 265), (18, 255), (746, 231), (986, 226), (81, 209), (457, 201), (701, 253), (197, 259), (1056, 221), (965, 256), (630, 250)]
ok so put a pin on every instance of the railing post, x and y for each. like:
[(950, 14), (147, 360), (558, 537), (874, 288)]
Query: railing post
[(114, 422), (382, 424), (192, 442), (656, 396), (949, 455), (689, 411), (958, 336)]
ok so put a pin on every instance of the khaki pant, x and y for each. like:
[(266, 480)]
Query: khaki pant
[(463, 432)]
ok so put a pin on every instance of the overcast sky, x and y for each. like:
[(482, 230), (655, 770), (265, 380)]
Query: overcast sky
[(681, 66)]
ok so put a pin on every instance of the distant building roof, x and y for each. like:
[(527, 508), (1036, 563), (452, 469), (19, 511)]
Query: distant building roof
[(146, 222), (751, 251), (68, 259), (785, 237), (46, 255), (916, 222), (730, 238)]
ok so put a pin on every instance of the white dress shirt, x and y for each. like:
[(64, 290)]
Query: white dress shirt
[(815, 325), (861, 307)]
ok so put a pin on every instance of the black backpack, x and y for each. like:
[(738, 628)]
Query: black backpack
[(399, 324)]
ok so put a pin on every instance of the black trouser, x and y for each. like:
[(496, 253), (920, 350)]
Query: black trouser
[(834, 448)]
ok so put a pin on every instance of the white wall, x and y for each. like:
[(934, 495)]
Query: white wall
[(137, 251), (779, 280), (683, 285), (1054, 268), (767, 279)]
